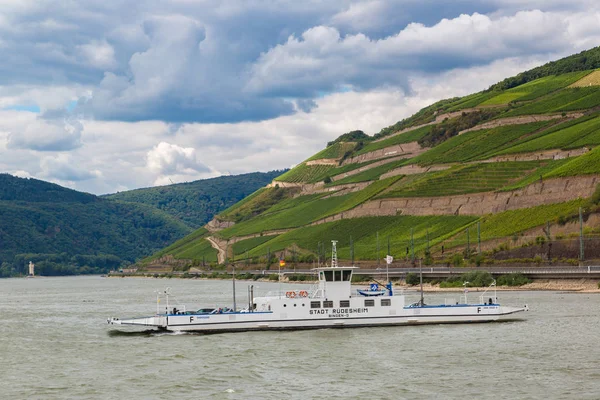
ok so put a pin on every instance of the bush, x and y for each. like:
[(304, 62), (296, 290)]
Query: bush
[(273, 277), (473, 279), (516, 279), (457, 260), (412, 279)]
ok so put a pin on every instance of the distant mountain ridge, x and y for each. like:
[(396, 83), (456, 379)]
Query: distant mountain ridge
[(64, 231)]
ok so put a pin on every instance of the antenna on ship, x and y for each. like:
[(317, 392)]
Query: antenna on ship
[(334, 262)]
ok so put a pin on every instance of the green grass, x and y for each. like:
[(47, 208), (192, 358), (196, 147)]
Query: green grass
[(306, 173), (574, 134), (407, 137), (258, 203), (471, 101), (509, 223), (370, 174), (307, 212), (534, 176), (569, 99), (535, 89), (476, 145), (335, 151), (194, 246), (364, 232), (188, 241), (292, 202), (464, 179), (585, 164), (241, 204), (503, 98), (239, 248)]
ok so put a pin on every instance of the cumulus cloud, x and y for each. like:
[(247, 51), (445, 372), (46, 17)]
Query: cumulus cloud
[(167, 160), (322, 60)]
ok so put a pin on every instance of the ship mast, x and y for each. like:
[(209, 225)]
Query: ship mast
[(334, 261)]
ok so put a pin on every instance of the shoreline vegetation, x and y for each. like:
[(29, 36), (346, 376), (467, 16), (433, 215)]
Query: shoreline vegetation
[(560, 285)]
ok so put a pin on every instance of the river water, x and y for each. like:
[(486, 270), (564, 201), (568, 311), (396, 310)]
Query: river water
[(55, 344)]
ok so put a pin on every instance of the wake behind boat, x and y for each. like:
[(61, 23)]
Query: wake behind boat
[(330, 304)]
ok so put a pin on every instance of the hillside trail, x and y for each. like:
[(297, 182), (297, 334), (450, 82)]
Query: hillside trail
[(221, 251)]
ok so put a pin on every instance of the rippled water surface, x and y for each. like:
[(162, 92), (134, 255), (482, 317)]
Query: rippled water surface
[(55, 344)]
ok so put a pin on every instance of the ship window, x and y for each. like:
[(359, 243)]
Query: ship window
[(347, 275), (328, 276), (315, 304), (369, 303), (328, 304), (386, 302), (338, 276), (344, 303)]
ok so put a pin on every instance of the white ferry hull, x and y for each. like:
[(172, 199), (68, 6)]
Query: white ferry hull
[(232, 322)]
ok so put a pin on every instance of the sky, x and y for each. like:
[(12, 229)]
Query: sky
[(105, 96)]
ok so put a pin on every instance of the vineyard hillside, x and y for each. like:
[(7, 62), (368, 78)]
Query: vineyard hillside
[(487, 178)]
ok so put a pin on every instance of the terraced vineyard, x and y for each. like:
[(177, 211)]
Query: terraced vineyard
[(472, 178), (364, 233), (370, 174), (335, 151), (574, 135), (550, 176), (592, 79), (535, 89), (477, 145)]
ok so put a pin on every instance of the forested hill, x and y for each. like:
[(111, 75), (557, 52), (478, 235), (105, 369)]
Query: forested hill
[(35, 190), (64, 231), (195, 203)]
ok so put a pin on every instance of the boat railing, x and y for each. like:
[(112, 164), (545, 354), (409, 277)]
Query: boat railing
[(289, 294)]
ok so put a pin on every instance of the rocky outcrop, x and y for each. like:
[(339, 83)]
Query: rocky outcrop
[(216, 225)]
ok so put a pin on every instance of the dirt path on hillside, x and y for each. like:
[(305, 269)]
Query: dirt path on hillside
[(217, 246)]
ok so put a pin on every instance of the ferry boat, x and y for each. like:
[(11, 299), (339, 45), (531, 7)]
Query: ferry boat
[(330, 304)]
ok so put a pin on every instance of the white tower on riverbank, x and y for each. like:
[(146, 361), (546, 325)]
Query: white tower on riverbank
[(31, 269)]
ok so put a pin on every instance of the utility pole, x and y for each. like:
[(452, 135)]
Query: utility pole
[(412, 246), (468, 245), (389, 253), (352, 250), (581, 256), (377, 247), (318, 254), (478, 237)]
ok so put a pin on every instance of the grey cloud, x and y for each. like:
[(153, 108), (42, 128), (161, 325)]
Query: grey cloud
[(47, 135)]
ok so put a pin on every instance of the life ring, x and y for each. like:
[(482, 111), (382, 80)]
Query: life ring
[(303, 293), (290, 295)]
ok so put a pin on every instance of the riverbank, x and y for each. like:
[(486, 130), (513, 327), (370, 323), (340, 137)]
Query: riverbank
[(560, 285)]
